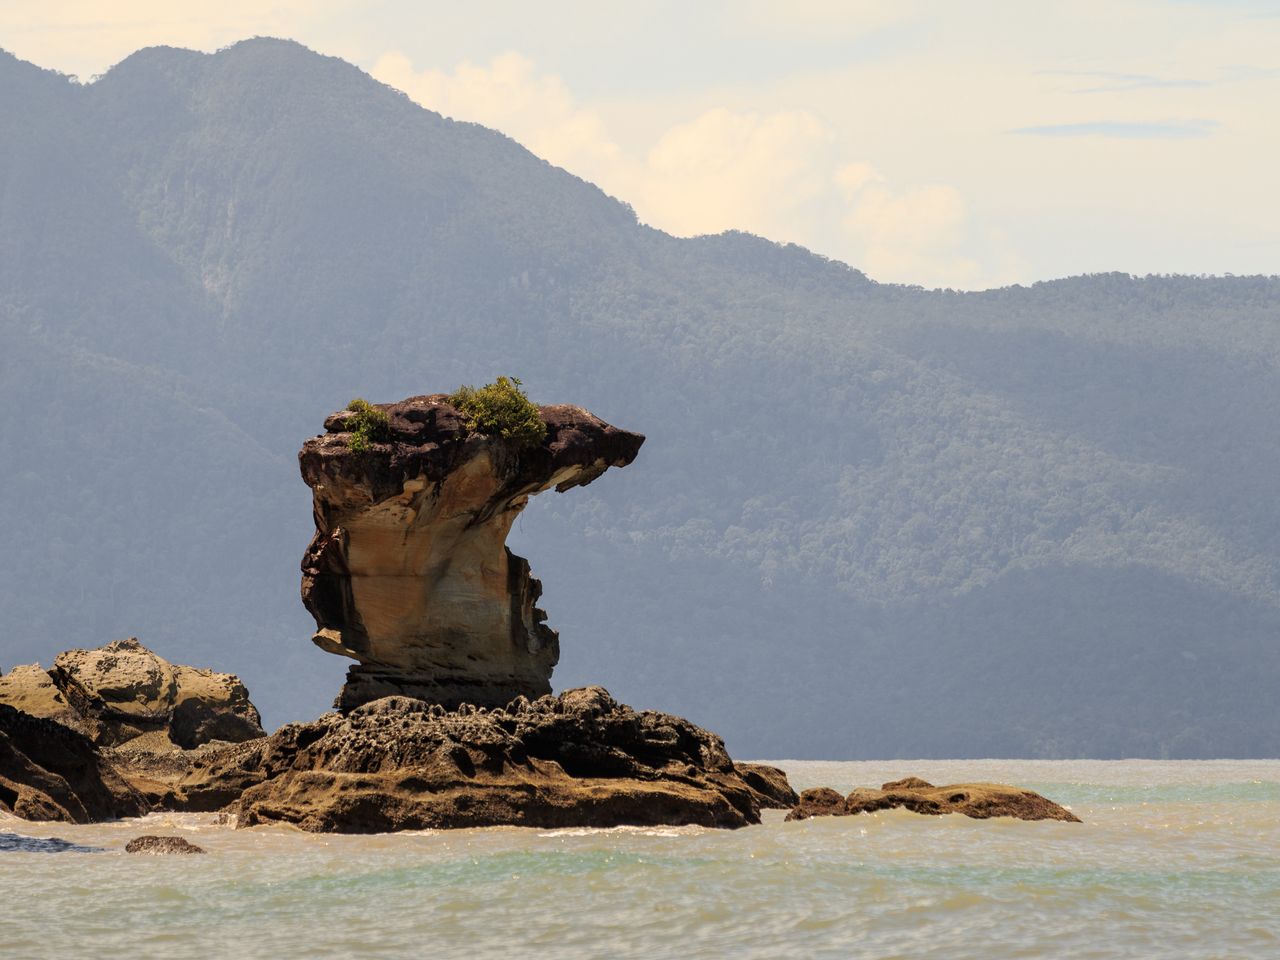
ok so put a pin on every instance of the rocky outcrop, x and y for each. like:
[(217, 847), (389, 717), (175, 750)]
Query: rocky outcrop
[(51, 772), (579, 759), (161, 846), (123, 694), (446, 721), (773, 790), (409, 573), (978, 800), (818, 802), (29, 688)]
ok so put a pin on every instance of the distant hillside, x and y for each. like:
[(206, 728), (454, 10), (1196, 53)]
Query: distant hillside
[(869, 520)]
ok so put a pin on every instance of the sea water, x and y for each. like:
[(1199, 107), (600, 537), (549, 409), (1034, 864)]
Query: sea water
[(1174, 859)]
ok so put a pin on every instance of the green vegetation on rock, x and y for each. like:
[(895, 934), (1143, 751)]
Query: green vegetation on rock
[(501, 409), (369, 425)]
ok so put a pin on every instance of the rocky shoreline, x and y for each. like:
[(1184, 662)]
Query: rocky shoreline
[(579, 759), (447, 720)]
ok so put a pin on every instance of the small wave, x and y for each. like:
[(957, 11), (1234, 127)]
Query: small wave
[(631, 830)]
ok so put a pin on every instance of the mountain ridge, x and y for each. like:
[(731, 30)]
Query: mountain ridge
[(849, 490)]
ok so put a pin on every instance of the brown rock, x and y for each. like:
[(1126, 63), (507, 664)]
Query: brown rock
[(818, 802), (212, 706), (773, 790), (123, 694), (579, 759), (161, 845), (51, 772), (408, 572), (978, 800), (907, 783), (29, 688)]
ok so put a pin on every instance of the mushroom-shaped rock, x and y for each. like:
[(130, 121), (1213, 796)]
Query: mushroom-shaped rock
[(408, 572)]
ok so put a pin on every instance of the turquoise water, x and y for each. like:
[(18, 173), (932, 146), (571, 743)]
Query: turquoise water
[(1175, 859)]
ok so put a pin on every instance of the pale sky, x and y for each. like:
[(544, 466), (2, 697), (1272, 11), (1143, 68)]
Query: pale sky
[(940, 143)]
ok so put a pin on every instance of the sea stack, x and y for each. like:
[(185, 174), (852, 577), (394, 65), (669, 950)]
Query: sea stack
[(409, 573)]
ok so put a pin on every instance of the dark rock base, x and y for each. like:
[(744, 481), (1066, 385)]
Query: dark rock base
[(368, 682), (579, 759), (50, 772)]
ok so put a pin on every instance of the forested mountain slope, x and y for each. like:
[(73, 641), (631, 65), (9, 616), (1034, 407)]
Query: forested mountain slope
[(869, 520)]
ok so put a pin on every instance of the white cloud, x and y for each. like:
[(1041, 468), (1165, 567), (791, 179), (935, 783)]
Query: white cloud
[(779, 174), (725, 170), (509, 95), (913, 234)]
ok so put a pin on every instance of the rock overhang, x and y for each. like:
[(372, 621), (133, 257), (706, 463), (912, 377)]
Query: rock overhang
[(408, 572)]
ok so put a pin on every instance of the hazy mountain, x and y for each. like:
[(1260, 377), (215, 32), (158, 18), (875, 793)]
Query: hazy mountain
[(869, 520)]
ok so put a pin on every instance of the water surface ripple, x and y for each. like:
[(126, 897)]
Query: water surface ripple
[(1175, 859)]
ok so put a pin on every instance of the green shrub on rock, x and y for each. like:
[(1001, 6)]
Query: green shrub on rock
[(501, 409), (369, 425)]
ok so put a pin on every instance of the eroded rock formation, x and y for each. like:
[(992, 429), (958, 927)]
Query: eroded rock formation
[(980, 801), (123, 694), (50, 772), (409, 573), (579, 759)]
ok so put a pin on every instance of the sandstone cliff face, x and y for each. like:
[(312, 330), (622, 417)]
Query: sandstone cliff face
[(123, 694), (579, 759), (409, 573)]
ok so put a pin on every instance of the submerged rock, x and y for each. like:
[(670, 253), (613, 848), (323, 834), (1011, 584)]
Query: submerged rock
[(408, 572), (51, 772), (579, 759), (978, 800), (161, 845), (124, 694)]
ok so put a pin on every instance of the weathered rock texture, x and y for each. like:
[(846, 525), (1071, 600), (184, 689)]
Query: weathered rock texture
[(51, 772), (978, 800), (161, 845), (818, 802), (579, 759), (409, 573), (123, 694), (773, 790), (29, 688)]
